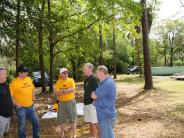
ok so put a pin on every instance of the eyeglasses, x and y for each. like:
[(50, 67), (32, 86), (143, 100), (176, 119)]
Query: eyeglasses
[(65, 72)]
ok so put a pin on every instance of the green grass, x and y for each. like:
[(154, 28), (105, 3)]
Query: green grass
[(165, 84), (130, 79), (171, 85)]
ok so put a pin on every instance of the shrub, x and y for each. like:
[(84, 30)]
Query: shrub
[(178, 62)]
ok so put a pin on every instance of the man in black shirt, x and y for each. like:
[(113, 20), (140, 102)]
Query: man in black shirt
[(6, 104), (90, 85)]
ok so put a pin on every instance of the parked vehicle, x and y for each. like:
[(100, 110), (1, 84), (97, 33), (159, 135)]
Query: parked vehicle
[(178, 76), (133, 70), (36, 76)]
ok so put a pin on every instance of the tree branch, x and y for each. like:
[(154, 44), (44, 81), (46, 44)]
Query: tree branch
[(69, 16), (182, 4), (75, 32), (81, 29), (63, 51)]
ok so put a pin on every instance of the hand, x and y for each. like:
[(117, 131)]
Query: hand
[(70, 90), (93, 96), (63, 91), (18, 106)]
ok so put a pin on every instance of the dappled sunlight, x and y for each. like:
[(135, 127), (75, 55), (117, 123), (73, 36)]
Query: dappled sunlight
[(140, 113), (153, 114)]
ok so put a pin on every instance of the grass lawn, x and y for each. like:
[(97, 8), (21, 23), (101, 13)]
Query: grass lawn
[(171, 85)]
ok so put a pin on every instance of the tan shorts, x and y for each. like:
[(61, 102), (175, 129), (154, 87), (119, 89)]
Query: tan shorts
[(90, 114)]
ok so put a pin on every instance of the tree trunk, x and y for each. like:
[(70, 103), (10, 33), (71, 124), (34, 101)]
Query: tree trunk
[(171, 56), (137, 45), (165, 51), (165, 56), (17, 41), (51, 46), (51, 88), (100, 45), (147, 62), (114, 50), (40, 47), (74, 68)]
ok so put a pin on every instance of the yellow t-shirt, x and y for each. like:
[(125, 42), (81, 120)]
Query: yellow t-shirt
[(65, 84), (22, 91)]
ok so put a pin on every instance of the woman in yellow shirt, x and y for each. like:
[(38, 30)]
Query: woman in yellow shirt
[(22, 92)]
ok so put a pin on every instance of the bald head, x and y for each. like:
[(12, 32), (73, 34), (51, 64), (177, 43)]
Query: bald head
[(3, 75)]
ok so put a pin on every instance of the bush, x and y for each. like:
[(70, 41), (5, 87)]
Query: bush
[(178, 62)]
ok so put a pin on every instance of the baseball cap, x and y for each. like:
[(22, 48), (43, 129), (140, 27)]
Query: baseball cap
[(22, 68), (62, 70)]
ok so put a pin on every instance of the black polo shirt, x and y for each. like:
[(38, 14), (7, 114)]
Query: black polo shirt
[(90, 85), (6, 103)]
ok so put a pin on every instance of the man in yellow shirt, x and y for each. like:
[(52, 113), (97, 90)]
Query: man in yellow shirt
[(65, 91), (23, 95)]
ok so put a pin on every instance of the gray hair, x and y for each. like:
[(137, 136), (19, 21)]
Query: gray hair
[(103, 69), (89, 65), (2, 68)]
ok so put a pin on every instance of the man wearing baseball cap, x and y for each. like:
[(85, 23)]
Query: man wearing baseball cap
[(23, 95), (65, 91)]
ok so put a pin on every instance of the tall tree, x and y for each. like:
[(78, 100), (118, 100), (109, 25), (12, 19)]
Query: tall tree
[(40, 46), (165, 50), (51, 45), (114, 51), (67, 24), (100, 45), (147, 62), (17, 41), (35, 12), (171, 37)]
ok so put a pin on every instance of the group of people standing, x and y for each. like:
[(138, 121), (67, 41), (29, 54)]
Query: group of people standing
[(99, 102), (20, 96)]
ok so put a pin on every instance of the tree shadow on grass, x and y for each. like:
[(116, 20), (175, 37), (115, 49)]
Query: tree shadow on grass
[(124, 100)]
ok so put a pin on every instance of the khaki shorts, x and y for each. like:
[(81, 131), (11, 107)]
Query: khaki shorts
[(4, 125), (90, 114), (67, 112)]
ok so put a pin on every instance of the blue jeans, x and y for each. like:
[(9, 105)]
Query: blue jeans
[(107, 128), (22, 114)]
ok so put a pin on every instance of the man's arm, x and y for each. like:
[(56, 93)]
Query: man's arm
[(99, 93), (93, 96), (94, 84), (94, 87), (33, 95), (12, 91), (16, 103), (63, 91), (102, 91)]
